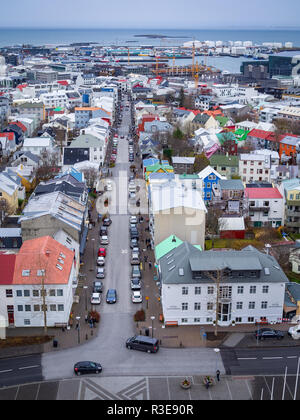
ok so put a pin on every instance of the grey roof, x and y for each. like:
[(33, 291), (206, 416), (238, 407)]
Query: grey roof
[(10, 232), (292, 294), (231, 184), (188, 258)]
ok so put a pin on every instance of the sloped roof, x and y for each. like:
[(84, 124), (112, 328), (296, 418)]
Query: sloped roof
[(7, 268)]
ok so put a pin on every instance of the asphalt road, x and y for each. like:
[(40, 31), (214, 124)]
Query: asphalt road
[(20, 370)]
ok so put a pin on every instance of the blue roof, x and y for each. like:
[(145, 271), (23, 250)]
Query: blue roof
[(150, 162)]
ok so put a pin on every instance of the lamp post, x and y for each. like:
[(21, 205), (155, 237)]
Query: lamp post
[(78, 328), (152, 320), (85, 293), (217, 351)]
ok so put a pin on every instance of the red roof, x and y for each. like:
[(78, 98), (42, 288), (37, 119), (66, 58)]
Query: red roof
[(260, 134), (263, 193), (19, 124), (7, 268), (271, 137), (21, 87), (10, 136)]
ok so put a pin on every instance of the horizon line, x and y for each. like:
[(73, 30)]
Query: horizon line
[(235, 28)]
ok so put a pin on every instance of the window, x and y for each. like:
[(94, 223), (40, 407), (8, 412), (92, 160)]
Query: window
[(197, 306), (27, 308), (265, 289), (52, 292), (240, 290), (53, 308), (197, 320), (210, 290), (264, 305), (252, 289), (19, 293), (26, 321), (210, 306), (9, 293), (20, 308), (239, 305), (251, 305), (250, 319), (209, 320), (60, 308), (184, 306), (185, 290), (197, 290), (60, 292), (35, 293), (26, 293), (184, 320), (36, 308), (238, 319)]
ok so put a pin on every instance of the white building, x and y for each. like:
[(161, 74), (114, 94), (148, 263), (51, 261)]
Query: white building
[(255, 167), (251, 288), (266, 206)]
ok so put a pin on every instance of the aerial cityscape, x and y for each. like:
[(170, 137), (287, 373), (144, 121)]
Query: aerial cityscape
[(149, 203)]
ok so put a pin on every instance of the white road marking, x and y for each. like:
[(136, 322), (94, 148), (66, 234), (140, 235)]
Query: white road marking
[(247, 358), (5, 371), (272, 358), (29, 367)]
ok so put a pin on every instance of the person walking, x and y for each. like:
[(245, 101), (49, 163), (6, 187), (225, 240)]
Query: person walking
[(218, 375), (150, 265)]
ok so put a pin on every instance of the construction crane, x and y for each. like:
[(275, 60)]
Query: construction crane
[(196, 76), (193, 60), (128, 55)]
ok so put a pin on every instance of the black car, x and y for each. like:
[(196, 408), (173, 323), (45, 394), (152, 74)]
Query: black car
[(107, 222), (103, 231), (83, 368), (143, 343), (134, 233), (97, 287), (134, 243), (111, 296), (264, 333)]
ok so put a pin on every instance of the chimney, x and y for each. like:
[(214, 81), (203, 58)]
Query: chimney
[(174, 239)]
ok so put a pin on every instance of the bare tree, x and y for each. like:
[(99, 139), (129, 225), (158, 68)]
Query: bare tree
[(91, 176), (212, 223), (48, 166)]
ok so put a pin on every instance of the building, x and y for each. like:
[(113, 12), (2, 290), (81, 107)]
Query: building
[(291, 191), (232, 228), (183, 165), (266, 207), (176, 210), (228, 195), (84, 115), (227, 166), (255, 167), (39, 284), (210, 179), (250, 286), (96, 148)]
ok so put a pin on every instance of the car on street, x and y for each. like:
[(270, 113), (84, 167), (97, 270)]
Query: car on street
[(131, 178), (143, 343), (104, 240), (134, 243), (101, 252), (96, 299), (135, 258), (134, 234), (133, 220), (100, 273), (103, 230), (85, 368), (131, 159), (135, 284), (136, 272), (132, 196), (107, 222), (136, 250), (130, 142), (101, 261), (265, 333), (122, 137), (111, 296), (137, 297), (97, 287)]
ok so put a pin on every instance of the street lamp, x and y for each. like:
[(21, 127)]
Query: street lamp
[(152, 320), (78, 328), (217, 351), (85, 290)]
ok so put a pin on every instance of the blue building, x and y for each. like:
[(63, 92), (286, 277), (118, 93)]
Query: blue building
[(210, 178)]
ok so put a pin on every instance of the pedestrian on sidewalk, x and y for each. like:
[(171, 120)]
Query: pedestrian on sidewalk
[(218, 375), (150, 265), (86, 318)]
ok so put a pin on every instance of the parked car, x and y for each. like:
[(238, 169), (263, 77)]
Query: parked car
[(134, 233), (96, 299), (264, 333), (104, 240), (83, 368), (136, 250), (103, 230), (101, 261), (294, 332), (101, 252), (111, 296), (143, 343), (133, 220), (97, 286), (107, 222), (132, 196), (135, 258), (134, 243), (137, 297), (135, 284), (136, 272), (100, 273)]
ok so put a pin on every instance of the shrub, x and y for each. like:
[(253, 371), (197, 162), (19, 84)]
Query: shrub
[(140, 316)]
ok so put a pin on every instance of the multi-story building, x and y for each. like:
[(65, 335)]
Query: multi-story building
[(210, 179), (227, 166), (243, 287), (254, 167), (266, 206), (291, 191), (84, 114)]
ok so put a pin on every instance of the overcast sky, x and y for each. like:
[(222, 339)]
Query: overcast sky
[(151, 14)]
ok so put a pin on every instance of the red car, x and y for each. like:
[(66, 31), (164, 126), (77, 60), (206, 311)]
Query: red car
[(101, 252)]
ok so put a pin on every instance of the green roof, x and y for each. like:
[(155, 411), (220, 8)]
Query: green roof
[(166, 246), (241, 134), (223, 160), (222, 120), (189, 176), (223, 137), (157, 167)]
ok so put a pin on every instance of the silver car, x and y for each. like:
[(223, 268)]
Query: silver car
[(100, 273)]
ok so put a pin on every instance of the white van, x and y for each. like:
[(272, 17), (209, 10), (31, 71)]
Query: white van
[(132, 187)]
